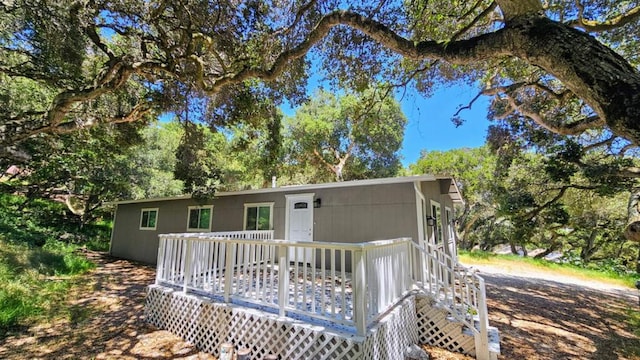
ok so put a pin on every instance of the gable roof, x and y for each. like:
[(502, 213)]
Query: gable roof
[(454, 192)]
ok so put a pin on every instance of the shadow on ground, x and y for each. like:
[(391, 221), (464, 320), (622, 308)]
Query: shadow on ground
[(106, 321), (537, 319), (542, 319)]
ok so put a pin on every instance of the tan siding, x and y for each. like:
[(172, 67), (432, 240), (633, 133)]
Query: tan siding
[(366, 213), (350, 214)]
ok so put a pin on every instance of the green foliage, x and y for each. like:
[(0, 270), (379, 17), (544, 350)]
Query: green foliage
[(354, 136), (633, 316), (152, 162), (473, 169), (195, 165), (32, 278), (82, 170), (528, 205)]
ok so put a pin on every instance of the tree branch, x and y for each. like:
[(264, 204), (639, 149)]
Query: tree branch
[(607, 141), (323, 161), (610, 24), (136, 113), (473, 22), (296, 20), (630, 172), (561, 191), (533, 213), (468, 106), (573, 128), (95, 38)]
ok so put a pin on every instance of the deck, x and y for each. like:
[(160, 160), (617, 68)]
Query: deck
[(346, 288)]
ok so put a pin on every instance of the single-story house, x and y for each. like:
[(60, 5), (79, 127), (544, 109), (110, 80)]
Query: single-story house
[(418, 207), (346, 270)]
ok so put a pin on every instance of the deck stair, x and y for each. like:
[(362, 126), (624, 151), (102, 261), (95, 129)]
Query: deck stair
[(457, 299)]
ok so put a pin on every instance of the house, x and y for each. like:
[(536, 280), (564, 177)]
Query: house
[(348, 270), (344, 212)]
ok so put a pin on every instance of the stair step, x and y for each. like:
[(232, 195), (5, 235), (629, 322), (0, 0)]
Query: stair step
[(494, 340)]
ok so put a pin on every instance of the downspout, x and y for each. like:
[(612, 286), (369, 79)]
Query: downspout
[(420, 216), (417, 259), (113, 229)]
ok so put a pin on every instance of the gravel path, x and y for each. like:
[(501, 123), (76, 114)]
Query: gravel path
[(540, 316)]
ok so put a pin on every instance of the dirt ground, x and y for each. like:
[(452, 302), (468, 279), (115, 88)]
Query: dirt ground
[(545, 316), (537, 318)]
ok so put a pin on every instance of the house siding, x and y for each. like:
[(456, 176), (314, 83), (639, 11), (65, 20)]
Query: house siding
[(348, 215)]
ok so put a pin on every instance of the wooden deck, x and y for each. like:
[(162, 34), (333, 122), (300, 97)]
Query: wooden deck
[(347, 287)]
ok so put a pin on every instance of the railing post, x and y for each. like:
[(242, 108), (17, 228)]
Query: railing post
[(187, 271), (160, 261), (228, 270), (482, 338), (412, 276), (360, 291), (283, 277)]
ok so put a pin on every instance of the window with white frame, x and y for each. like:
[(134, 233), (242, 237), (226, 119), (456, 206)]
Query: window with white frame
[(258, 216), (148, 219), (200, 218)]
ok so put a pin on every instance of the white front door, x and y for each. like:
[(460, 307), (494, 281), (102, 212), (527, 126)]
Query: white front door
[(299, 224)]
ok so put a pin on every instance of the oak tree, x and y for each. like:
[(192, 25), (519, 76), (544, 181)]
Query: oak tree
[(118, 61), (354, 136)]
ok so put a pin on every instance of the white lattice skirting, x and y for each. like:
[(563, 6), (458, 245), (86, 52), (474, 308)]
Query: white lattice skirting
[(437, 329), (208, 324)]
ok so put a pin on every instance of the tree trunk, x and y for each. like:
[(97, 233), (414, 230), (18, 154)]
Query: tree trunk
[(591, 70), (514, 249), (632, 231), (551, 248), (546, 252), (598, 75), (589, 248)]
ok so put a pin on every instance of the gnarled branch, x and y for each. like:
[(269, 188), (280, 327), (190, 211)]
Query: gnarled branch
[(610, 24)]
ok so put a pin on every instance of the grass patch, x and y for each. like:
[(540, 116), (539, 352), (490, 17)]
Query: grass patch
[(39, 262), (35, 281), (531, 264)]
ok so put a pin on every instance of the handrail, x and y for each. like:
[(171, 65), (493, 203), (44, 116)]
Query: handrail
[(459, 289), (305, 244)]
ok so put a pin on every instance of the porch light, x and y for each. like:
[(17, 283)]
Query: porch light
[(317, 203), (431, 221)]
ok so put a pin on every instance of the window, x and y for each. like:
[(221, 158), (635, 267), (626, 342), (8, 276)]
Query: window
[(449, 222), (435, 212), (258, 216), (199, 218), (148, 219)]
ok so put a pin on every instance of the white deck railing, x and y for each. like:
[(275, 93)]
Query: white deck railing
[(346, 284)]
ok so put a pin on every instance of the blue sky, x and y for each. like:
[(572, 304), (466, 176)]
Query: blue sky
[(430, 127), (429, 124)]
